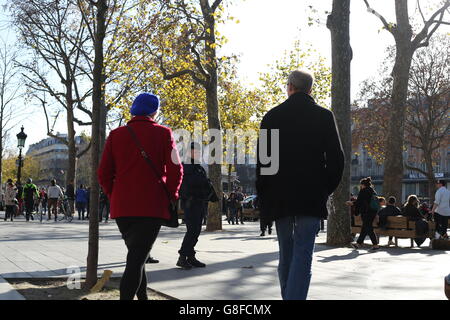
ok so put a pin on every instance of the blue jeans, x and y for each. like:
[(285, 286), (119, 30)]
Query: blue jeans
[(296, 238)]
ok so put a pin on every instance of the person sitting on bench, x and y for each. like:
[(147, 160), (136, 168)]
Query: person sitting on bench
[(389, 211)]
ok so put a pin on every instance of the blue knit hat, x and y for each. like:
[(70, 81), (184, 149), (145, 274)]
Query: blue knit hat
[(145, 104)]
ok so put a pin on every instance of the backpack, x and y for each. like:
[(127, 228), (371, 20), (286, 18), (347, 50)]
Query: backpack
[(374, 204)]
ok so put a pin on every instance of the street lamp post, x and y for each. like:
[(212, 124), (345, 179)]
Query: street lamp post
[(21, 137)]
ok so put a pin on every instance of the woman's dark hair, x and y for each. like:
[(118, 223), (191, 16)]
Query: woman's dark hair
[(381, 199), (392, 200), (81, 186), (366, 182), (53, 182), (411, 200)]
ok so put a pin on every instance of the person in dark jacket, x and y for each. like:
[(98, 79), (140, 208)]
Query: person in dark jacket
[(233, 207), (389, 211), (81, 199), (70, 193), (368, 214), (138, 201), (412, 212), (195, 193), (30, 194), (306, 159), (103, 207)]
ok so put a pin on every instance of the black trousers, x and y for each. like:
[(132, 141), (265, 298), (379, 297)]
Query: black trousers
[(9, 212), (139, 234), (265, 224), (29, 207), (367, 229), (441, 223), (193, 216)]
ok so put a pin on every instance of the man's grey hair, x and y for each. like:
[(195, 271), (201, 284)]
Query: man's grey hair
[(301, 80)]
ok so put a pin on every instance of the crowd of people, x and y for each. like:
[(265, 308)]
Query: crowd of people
[(370, 206), (30, 200)]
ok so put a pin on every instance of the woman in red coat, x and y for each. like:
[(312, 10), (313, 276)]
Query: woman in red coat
[(138, 202)]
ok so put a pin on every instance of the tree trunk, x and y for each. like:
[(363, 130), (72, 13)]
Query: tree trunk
[(393, 165), (214, 221), (430, 176), (70, 174), (97, 104), (338, 227)]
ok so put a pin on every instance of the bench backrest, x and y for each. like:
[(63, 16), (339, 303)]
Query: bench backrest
[(398, 222)]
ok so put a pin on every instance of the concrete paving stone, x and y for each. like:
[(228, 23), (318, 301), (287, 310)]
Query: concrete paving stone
[(338, 273)]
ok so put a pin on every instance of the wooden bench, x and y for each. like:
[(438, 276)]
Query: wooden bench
[(250, 214), (398, 227)]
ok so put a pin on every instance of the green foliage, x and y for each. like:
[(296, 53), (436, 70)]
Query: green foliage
[(299, 58)]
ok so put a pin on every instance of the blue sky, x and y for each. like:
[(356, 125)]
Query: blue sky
[(268, 28)]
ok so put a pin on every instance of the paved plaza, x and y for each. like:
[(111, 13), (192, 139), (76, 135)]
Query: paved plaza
[(240, 263)]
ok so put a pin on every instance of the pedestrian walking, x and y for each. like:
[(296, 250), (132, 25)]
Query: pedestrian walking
[(10, 198), (29, 195), (239, 214), (367, 205), (195, 193), (441, 209), (309, 158), (139, 202), (233, 206), (81, 198), (19, 198), (103, 207), (54, 193), (43, 198)]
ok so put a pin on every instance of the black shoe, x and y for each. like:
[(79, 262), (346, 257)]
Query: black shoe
[(151, 260), (270, 231), (195, 263), (182, 262), (262, 234)]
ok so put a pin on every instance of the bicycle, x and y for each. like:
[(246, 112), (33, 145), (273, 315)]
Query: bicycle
[(64, 208)]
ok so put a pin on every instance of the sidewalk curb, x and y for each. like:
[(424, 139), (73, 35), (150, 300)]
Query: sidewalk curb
[(7, 292)]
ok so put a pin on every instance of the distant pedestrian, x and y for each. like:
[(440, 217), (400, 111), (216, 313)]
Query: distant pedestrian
[(70, 194), (310, 164), (19, 198), (10, 197), (43, 198), (54, 193), (103, 207), (88, 201), (30, 195), (139, 202), (240, 209), (195, 193), (233, 206), (81, 199), (365, 208), (441, 209)]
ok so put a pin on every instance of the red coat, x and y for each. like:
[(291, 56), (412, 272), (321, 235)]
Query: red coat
[(128, 181)]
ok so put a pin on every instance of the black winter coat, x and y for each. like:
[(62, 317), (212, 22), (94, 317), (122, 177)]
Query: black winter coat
[(311, 160), (363, 201), (195, 184)]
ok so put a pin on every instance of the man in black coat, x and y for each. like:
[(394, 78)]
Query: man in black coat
[(195, 192), (300, 164)]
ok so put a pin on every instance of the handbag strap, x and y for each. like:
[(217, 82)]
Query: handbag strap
[(149, 161)]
